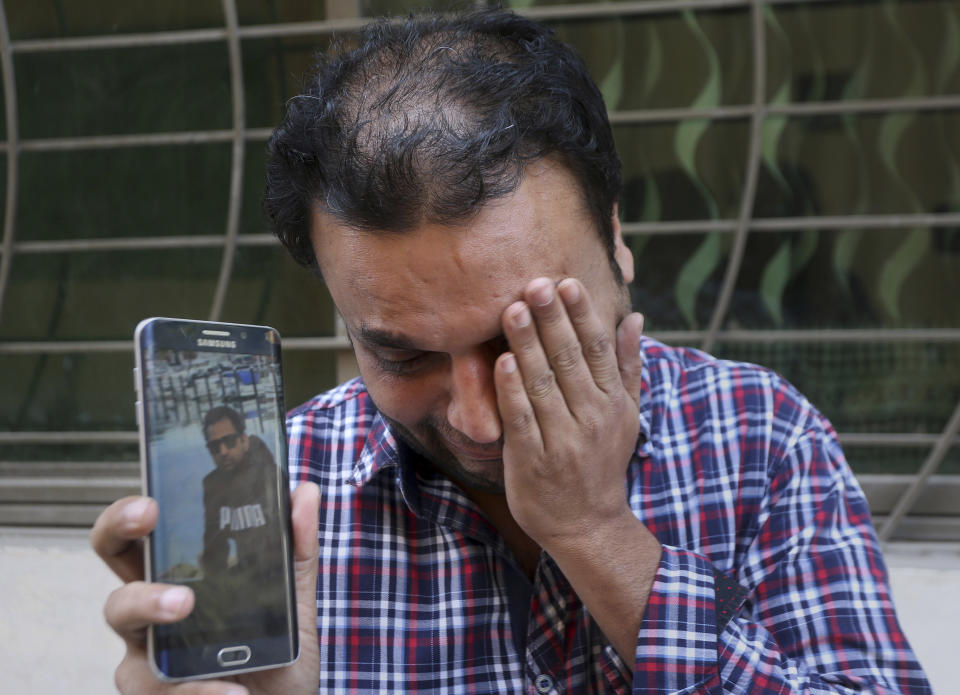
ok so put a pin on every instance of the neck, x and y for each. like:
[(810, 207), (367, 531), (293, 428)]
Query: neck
[(524, 549)]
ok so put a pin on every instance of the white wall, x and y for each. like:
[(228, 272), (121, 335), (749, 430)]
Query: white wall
[(53, 638)]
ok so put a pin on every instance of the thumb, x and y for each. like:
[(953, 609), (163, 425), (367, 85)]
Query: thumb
[(305, 505), (629, 358)]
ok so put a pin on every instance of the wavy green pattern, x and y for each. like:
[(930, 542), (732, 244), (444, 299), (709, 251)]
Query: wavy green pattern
[(950, 47), (848, 241), (786, 263), (652, 71), (916, 242), (694, 273), (950, 61), (611, 86), (698, 268), (653, 64), (818, 68), (777, 273), (773, 127)]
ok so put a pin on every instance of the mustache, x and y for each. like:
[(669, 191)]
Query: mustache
[(454, 436), (441, 433)]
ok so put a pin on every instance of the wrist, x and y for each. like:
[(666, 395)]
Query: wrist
[(602, 538)]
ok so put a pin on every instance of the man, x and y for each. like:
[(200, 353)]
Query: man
[(241, 563), (521, 494), (239, 502)]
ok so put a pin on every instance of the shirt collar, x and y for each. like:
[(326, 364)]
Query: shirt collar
[(380, 451)]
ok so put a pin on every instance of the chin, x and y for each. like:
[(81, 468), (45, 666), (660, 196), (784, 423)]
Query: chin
[(490, 480), (482, 476)]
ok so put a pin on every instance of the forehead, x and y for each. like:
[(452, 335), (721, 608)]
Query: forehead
[(434, 280), (222, 426)]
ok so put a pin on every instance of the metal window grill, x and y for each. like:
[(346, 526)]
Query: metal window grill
[(69, 495)]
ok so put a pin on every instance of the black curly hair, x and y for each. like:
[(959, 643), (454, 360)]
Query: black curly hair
[(427, 119)]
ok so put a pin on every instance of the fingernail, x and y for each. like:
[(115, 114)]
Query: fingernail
[(235, 690), (171, 600), (509, 364), (521, 317), (133, 512), (570, 289), (542, 292)]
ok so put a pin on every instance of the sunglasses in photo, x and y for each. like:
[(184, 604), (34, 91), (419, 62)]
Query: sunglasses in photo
[(213, 446)]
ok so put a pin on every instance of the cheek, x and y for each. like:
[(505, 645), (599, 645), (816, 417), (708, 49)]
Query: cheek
[(407, 399)]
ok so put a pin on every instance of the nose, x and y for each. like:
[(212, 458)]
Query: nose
[(473, 399)]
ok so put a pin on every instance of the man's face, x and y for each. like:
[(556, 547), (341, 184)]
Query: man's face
[(227, 446), (423, 309)]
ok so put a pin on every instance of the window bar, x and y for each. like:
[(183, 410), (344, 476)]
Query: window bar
[(153, 243), (892, 440), (838, 335), (823, 335), (849, 439), (102, 142), (893, 221), (13, 159), (181, 37), (948, 102), (101, 437), (236, 171), (944, 102), (930, 466), (866, 222), (788, 224), (587, 11), (59, 347), (293, 29), (735, 260)]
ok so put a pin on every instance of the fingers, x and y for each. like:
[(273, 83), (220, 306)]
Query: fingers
[(594, 338), (546, 347), (116, 536), (135, 677), (516, 413), (562, 346), (134, 606), (629, 358)]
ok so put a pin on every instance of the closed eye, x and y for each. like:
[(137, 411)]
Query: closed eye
[(402, 362)]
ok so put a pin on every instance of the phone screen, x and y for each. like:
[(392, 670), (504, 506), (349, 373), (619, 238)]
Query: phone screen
[(215, 453)]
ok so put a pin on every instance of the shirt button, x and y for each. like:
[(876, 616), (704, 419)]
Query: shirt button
[(543, 684)]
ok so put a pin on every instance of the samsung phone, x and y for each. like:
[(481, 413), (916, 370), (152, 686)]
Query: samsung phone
[(213, 448)]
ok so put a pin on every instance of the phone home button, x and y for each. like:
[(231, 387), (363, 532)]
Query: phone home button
[(233, 656)]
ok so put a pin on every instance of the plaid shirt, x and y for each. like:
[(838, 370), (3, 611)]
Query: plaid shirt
[(771, 580)]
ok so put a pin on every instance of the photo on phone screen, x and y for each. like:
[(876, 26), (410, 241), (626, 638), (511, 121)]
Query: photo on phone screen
[(214, 442)]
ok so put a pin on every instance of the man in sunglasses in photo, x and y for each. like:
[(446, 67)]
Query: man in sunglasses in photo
[(236, 517)]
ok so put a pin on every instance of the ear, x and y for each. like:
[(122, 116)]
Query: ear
[(621, 252)]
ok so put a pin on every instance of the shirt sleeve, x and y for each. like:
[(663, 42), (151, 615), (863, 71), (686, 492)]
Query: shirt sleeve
[(807, 609)]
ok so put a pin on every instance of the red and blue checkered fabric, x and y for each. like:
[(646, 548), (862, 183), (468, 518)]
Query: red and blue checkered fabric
[(771, 580)]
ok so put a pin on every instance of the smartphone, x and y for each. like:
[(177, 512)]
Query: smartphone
[(213, 450)]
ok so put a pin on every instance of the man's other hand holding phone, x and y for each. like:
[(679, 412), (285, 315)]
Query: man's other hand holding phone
[(117, 538)]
